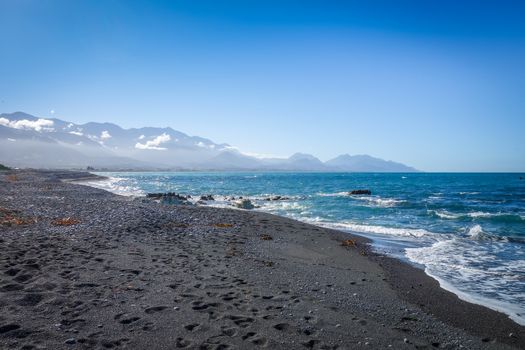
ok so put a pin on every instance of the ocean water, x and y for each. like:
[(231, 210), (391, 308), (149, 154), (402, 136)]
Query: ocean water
[(465, 230)]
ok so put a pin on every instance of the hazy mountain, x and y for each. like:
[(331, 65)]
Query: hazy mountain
[(29, 141), (365, 163), (296, 162)]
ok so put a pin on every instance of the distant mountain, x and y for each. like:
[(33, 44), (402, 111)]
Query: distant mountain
[(365, 163), (29, 141)]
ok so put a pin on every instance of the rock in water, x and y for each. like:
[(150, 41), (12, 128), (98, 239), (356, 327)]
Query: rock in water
[(170, 198), (244, 204), (360, 192), (277, 198), (208, 197)]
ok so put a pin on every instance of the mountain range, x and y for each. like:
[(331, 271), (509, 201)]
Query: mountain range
[(29, 141)]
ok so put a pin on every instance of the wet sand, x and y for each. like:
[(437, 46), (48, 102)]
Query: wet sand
[(82, 268)]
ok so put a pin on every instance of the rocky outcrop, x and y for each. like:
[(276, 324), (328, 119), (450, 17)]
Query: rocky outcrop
[(170, 198), (277, 198), (360, 192)]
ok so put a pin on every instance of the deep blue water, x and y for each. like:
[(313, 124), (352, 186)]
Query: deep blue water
[(465, 230)]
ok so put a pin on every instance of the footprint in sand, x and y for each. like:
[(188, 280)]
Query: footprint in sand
[(282, 326), (182, 343), (129, 320), (191, 327), (154, 309)]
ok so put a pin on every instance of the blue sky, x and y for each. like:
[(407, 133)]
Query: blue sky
[(439, 85)]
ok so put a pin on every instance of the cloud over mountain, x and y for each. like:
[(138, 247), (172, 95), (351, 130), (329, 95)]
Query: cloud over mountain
[(37, 125), (155, 143)]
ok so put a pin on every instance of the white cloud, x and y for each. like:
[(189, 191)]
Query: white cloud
[(12, 140), (203, 145), (141, 137), (78, 133), (262, 155), (105, 135), (37, 125), (52, 111), (155, 143)]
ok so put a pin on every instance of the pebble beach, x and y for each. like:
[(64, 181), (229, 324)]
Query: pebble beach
[(83, 268)]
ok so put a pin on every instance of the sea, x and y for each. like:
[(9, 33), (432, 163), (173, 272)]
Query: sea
[(466, 230)]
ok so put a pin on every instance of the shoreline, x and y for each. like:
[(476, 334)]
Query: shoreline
[(305, 260), (488, 303)]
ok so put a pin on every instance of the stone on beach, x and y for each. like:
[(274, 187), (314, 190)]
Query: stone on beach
[(244, 204), (170, 198)]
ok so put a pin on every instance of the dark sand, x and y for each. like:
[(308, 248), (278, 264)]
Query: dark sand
[(139, 275)]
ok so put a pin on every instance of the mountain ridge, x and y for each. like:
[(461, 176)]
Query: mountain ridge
[(30, 141)]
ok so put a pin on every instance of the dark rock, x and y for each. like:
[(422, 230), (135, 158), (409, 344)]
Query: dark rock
[(208, 197), (360, 192), (277, 198), (169, 198)]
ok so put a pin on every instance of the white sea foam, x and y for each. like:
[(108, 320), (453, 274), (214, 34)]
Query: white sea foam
[(282, 205), (477, 275), (371, 200), (117, 185), (475, 215), (481, 214), (475, 232), (445, 214), (381, 202), (336, 194), (373, 229)]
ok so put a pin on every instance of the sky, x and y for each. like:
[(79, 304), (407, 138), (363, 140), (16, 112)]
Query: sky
[(438, 85)]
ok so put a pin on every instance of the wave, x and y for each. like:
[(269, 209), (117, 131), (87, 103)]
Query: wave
[(476, 233), (372, 229), (481, 214), (382, 202), (503, 217), (118, 185), (372, 200), (282, 205), (444, 214), (336, 194), (468, 269)]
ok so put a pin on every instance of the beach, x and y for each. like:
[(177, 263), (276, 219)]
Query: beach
[(85, 268)]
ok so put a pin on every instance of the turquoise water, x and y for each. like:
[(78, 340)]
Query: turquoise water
[(465, 230)]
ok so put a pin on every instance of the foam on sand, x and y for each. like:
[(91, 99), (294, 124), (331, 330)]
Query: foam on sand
[(118, 185), (476, 275)]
